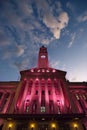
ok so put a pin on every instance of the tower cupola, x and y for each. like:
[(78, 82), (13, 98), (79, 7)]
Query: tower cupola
[(43, 58)]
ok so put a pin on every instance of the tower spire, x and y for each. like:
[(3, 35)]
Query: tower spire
[(43, 58)]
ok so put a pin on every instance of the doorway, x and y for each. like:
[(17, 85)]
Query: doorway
[(43, 126)]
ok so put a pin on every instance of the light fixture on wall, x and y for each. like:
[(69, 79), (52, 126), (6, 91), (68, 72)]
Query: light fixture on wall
[(76, 126), (53, 126), (32, 126), (10, 126)]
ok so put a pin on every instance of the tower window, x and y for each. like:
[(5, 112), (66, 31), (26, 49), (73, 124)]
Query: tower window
[(43, 56)]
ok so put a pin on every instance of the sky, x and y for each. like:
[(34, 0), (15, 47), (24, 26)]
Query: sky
[(59, 25)]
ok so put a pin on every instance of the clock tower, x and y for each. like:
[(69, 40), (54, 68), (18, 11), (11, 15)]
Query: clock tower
[(43, 58)]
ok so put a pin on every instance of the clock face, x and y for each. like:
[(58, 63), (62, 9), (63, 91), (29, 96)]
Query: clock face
[(43, 56)]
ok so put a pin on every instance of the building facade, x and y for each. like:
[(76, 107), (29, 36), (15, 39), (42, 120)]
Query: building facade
[(43, 100)]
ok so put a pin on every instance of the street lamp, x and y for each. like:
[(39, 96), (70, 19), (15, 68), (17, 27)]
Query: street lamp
[(76, 126), (53, 126)]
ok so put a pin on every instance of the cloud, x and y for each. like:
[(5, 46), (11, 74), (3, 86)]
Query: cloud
[(74, 79), (59, 7), (63, 67), (26, 25), (22, 65), (85, 46), (73, 36), (46, 41), (46, 13), (4, 40), (7, 55), (55, 64), (25, 7), (56, 24), (82, 17), (70, 6), (23, 20), (70, 77), (19, 50)]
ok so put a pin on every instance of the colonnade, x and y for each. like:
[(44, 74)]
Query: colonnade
[(6, 98), (45, 94)]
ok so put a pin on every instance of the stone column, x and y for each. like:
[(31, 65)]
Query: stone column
[(24, 97), (46, 98), (14, 107), (54, 97), (39, 98), (1, 101), (7, 103), (76, 105)]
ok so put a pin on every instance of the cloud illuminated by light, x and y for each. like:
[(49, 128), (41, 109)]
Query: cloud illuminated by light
[(56, 24), (72, 40), (82, 17)]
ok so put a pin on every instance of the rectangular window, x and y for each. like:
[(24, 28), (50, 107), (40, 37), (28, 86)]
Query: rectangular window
[(84, 97), (43, 92), (42, 84), (43, 102), (56, 92), (1, 95), (36, 84), (49, 93), (30, 83), (77, 96), (27, 105), (27, 108), (43, 109), (59, 112), (36, 92), (29, 92), (34, 106), (51, 106)]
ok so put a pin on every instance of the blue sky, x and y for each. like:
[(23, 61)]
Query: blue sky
[(60, 25)]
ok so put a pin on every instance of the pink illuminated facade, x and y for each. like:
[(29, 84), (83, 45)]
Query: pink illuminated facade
[(43, 100)]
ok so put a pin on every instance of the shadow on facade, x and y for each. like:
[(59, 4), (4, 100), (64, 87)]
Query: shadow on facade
[(1, 126)]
